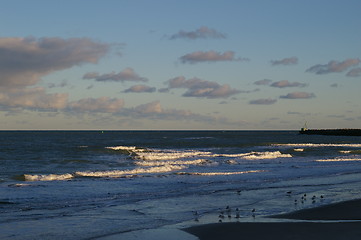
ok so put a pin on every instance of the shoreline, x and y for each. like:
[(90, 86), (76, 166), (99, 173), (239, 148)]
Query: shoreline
[(334, 221)]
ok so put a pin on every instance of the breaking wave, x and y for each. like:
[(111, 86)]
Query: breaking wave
[(48, 177), (339, 160), (265, 155), (153, 161), (159, 155), (161, 163), (104, 174), (136, 171), (218, 173), (352, 145)]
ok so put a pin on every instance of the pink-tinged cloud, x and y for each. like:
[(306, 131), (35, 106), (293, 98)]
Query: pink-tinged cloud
[(356, 72), (298, 95), (286, 83), (334, 66), (23, 61), (155, 111), (153, 107), (201, 88), (32, 99), (101, 105), (263, 101), (210, 56), (128, 74), (140, 89), (201, 33), (285, 61)]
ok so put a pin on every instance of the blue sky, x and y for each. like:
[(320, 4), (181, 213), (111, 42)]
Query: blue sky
[(140, 64)]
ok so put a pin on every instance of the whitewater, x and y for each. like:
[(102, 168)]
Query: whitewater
[(93, 184)]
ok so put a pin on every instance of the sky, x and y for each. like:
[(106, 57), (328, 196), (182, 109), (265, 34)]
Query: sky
[(180, 65)]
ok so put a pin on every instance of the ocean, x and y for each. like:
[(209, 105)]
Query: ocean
[(92, 184)]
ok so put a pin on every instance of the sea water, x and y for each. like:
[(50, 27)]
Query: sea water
[(89, 184)]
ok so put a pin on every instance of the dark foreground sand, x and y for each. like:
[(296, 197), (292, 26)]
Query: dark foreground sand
[(338, 228)]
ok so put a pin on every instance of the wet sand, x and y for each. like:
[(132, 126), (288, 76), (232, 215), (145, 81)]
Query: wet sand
[(331, 222)]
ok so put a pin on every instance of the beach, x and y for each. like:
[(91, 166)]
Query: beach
[(334, 221)]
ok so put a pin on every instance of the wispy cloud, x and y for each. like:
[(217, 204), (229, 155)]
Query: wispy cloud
[(23, 61), (202, 88), (263, 82), (60, 85), (285, 61), (356, 72), (286, 83), (263, 101), (155, 111), (140, 89), (333, 66), (210, 56), (96, 105), (128, 74), (201, 33), (298, 95)]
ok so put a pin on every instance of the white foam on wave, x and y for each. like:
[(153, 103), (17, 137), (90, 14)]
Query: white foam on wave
[(265, 155), (136, 171), (353, 145), (218, 173), (110, 174), (348, 151), (171, 154), (126, 148), (181, 162), (163, 155), (298, 149), (339, 160), (48, 177)]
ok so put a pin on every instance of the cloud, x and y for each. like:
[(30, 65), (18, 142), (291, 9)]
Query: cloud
[(263, 82), (60, 85), (263, 101), (140, 89), (285, 61), (334, 66), (286, 83), (202, 32), (102, 105), (210, 56), (32, 99), (128, 74), (202, 88), (155, 111), (153, 107), (298, 95), (356, 72), (23, 61)]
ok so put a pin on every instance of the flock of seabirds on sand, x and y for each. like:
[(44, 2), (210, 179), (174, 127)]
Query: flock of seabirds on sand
[(237, 212)]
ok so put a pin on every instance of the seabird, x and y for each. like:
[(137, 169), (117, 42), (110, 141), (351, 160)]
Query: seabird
[(253, 212)]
